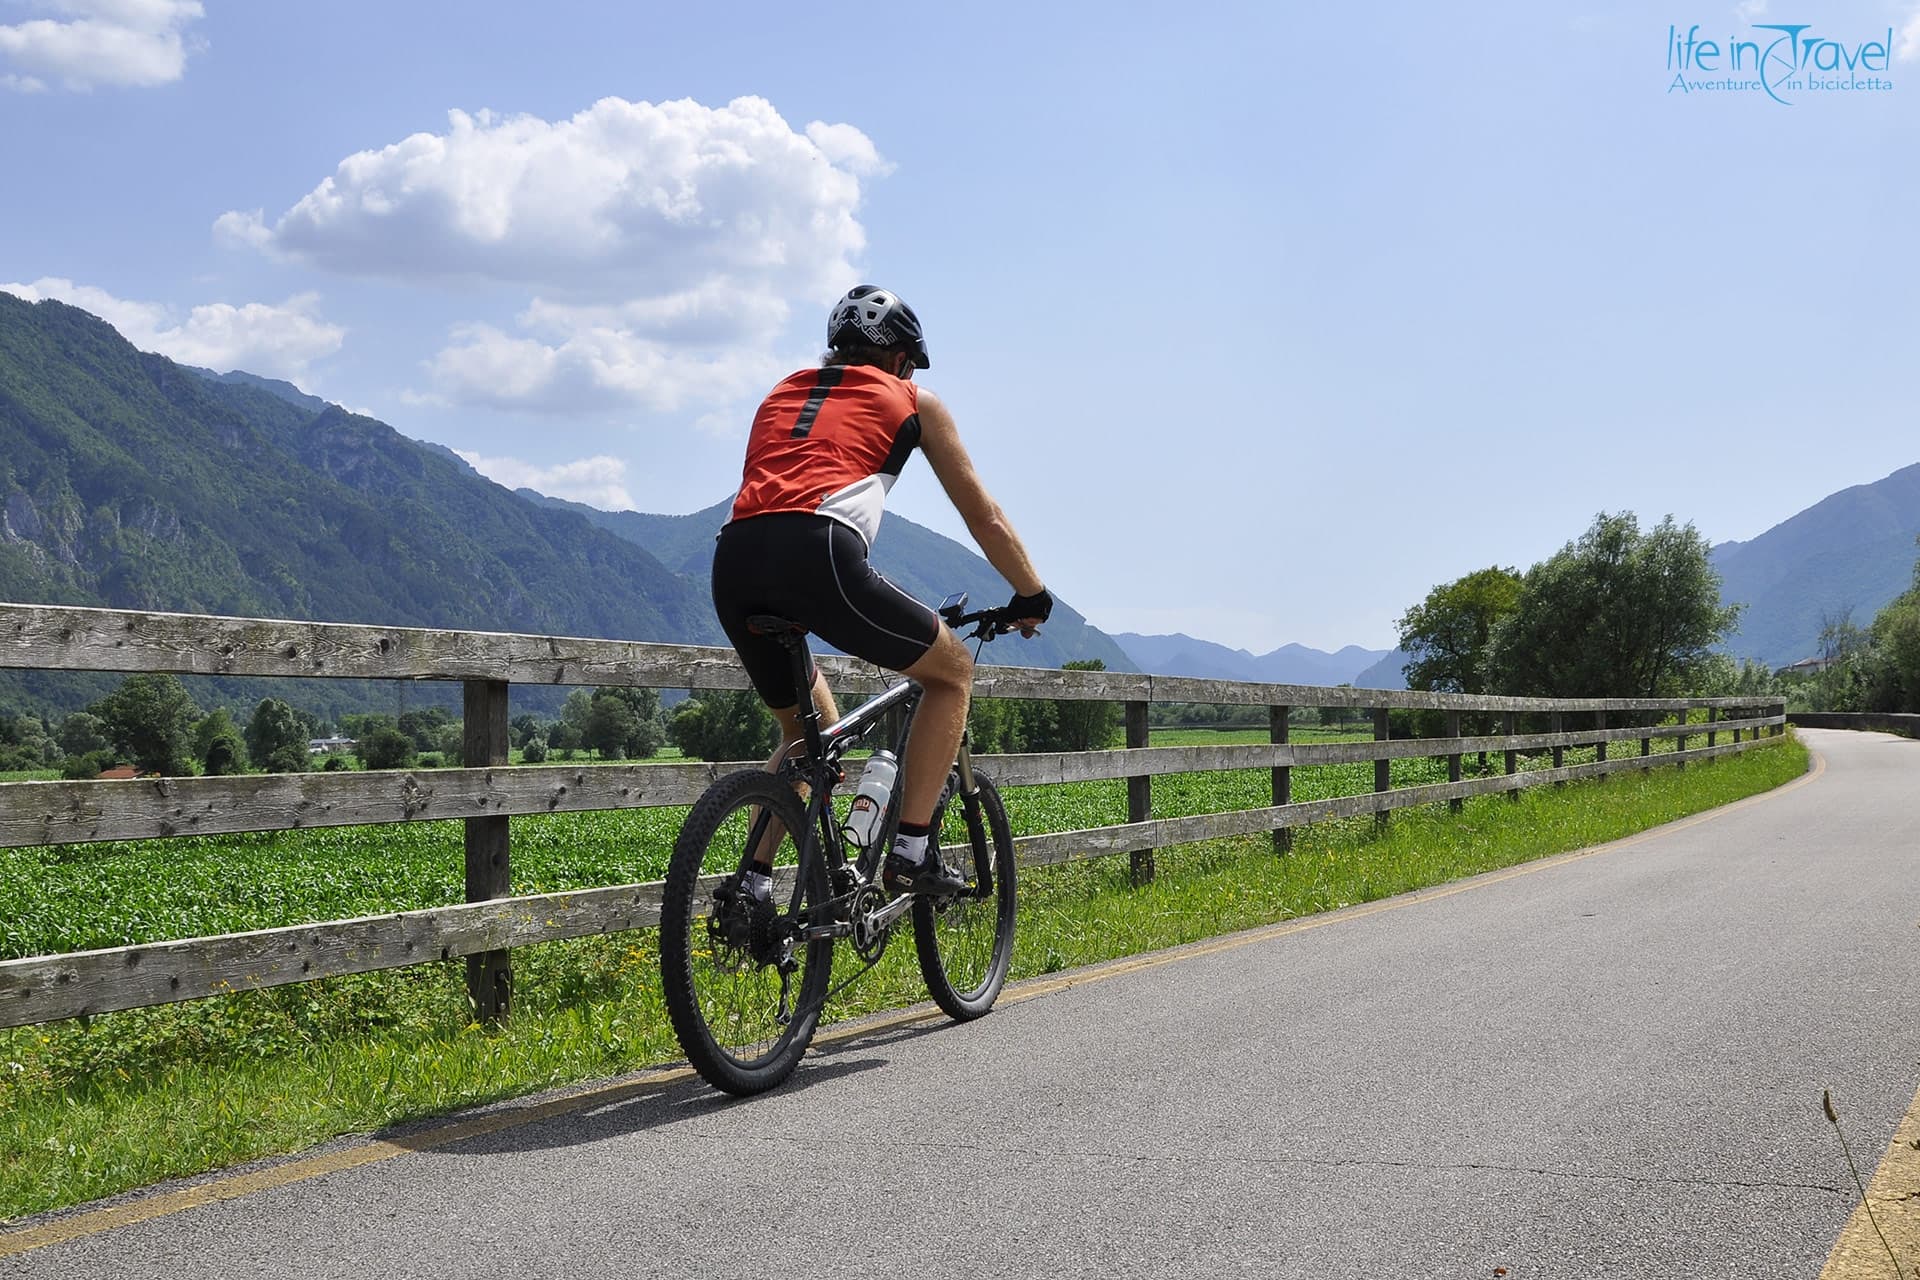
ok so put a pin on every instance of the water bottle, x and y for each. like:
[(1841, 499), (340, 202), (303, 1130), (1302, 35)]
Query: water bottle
[(870, 801)]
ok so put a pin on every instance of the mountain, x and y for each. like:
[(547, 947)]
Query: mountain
[(1182, 655), (1852, 550), (132, 482), (924, 564), (272, 386), (129, 481), (1388, 673)]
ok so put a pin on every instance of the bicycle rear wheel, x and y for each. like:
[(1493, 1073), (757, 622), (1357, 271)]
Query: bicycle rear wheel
[(965, 942), (744, 995)]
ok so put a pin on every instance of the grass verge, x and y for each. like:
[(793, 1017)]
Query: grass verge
[(97, 1106)]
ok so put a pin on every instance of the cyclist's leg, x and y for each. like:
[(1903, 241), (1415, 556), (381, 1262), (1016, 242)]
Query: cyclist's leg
[(791, 736), (789, 718), (946, 673)]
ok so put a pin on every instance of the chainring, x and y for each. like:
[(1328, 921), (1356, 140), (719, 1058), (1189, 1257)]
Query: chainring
[(869, 939)]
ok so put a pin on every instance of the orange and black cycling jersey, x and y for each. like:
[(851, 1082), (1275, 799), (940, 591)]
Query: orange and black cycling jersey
[(830, 441)]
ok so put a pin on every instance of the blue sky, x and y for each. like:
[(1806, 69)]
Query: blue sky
[(1260, 320)]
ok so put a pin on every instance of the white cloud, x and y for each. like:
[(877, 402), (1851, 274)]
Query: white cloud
[(593, 369), (663, 247), (278, 341), (849, 148), (1908, 41), (137, 43), (243, 230), (599, 481)]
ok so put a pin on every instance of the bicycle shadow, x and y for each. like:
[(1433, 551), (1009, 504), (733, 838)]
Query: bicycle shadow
[(649, 1103)]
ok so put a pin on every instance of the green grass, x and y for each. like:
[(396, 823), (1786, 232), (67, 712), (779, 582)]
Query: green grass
[(96, 1106)]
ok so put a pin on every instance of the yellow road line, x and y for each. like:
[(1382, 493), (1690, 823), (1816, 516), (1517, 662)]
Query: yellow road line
[(162, 1204), (1859, 1253)]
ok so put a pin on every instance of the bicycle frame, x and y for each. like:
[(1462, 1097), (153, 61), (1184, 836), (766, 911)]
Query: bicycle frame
[(815, 763)]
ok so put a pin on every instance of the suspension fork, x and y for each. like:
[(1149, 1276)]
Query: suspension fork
[(977, 834)]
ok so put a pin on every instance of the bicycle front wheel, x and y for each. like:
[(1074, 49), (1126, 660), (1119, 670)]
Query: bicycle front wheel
[(743, 990), (965, 942)]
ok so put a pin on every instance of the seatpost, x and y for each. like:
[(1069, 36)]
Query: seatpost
[(803, 681)]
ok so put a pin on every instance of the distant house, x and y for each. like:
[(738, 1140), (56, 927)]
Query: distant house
[(119, 771), (325, 746), (1806, 667)]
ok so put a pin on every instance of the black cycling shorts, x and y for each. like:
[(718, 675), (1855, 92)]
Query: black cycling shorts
[(812, 570)]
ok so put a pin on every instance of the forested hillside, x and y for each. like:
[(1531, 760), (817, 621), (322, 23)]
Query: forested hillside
[(131, 482)]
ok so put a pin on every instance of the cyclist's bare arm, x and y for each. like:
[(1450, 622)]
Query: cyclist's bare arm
[(940, 441)]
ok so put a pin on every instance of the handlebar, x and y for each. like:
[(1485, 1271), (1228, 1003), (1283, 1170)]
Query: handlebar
[(986, 623)]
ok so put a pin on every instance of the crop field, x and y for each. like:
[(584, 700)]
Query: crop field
[(94, 1106), (88, 896)]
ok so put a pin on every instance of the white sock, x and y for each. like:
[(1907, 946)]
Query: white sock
[(910, 848)]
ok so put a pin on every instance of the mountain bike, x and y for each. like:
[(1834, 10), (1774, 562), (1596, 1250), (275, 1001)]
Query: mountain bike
[(746, 978)]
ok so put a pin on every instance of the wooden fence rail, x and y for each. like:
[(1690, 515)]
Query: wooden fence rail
[(487, 793)]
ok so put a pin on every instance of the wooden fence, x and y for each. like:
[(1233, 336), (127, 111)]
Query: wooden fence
[(486, 793), (1906, 724)]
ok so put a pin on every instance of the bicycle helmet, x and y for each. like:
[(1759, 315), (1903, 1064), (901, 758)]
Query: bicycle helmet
[(872, 316)]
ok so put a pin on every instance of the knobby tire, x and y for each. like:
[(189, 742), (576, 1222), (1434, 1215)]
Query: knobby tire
[(723, 997), (965, 944)]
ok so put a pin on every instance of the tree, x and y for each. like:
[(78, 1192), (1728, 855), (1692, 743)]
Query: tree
[(730, 724), (1617, 614), (1009, 724), (1448, 635), (649, 729), (526, 727), (1084, 726), (219, 744), (26, 742), (426, 726), (574, 713), (81, 733), (386, 748), (1894, 680), (273, 726), (610, 722), (292, 758), (149, 718)]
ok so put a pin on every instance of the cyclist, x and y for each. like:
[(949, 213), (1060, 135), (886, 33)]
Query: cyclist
[(826, 446)]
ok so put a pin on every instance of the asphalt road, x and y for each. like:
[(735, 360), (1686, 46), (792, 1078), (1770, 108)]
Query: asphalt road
[(1606, 1065)]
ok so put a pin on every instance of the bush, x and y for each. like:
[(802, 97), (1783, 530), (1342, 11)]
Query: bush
[(534, 752), (386, 748), (335, 764), (83, 768), (288, 759), (225, 755), (730, 724), (430, 760)]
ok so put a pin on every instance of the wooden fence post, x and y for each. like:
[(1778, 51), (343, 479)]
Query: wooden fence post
[(1453, 760), (1713, 715), (1558, 725), (1382, 774), (1510, 725), (1680, 742), (1600, 747), (1139, 793), (1278, 733), (1777, 709), (489, 865)]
